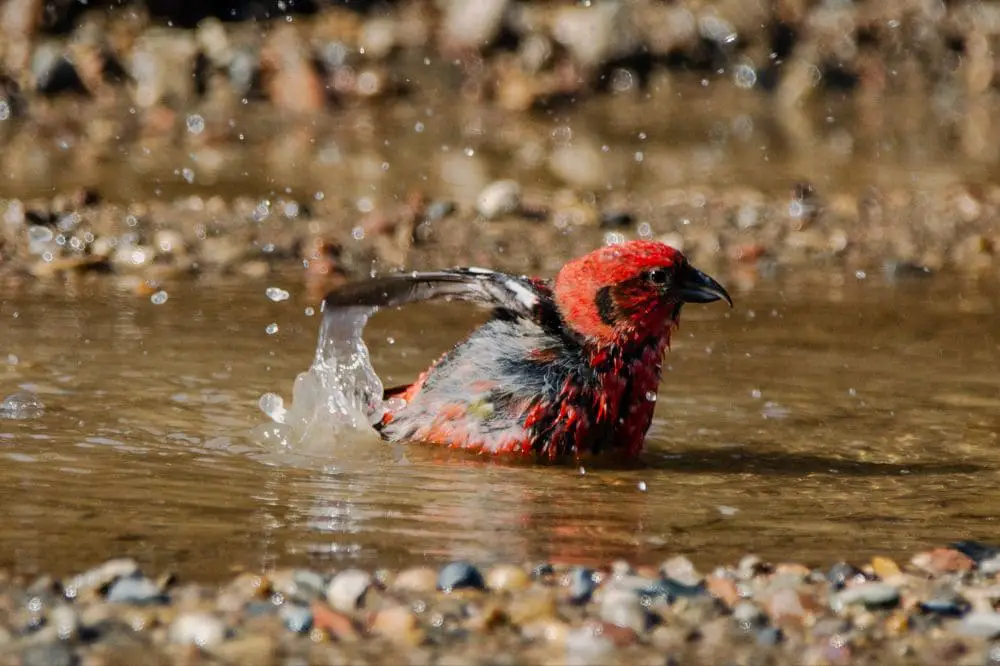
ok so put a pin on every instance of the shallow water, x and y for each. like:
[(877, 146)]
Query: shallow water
[(813, 421)]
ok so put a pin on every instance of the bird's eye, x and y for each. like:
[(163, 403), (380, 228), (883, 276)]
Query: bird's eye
[(658, 276)]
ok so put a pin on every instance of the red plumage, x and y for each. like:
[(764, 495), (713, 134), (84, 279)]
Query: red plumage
[(569, 366)]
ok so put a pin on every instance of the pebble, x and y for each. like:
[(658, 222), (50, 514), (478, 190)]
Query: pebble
[(842, 573), (49, 654), (100, 576), (941, 561), (499, 198), (460, 575), (980, 624), (347, 589), (398, 624), (623, 608), (581, 585), (507, 578), (682, 570), (870, 595), (296, 617), (418, 579), (135, 590), (200, 629)]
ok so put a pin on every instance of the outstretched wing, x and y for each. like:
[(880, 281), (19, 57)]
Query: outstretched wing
[(520, 295)]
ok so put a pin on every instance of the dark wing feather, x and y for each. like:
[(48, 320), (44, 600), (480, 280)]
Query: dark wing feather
[(519, 295)]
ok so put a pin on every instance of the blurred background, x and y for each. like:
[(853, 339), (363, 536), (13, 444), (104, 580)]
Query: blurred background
[(163, 138)]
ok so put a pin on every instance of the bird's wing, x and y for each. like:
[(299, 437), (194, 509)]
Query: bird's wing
[(521, 295)]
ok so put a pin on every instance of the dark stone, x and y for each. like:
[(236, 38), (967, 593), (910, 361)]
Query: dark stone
[(975, 550), (581, 585), (460, 575), (841, 572)]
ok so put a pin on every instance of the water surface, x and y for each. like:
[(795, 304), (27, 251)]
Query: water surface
[(815, 421)]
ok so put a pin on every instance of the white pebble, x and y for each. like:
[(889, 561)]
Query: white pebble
[(159, 298), (347, 588), (201, 629), (271, 328)]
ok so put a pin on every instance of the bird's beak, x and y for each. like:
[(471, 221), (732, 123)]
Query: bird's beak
[(696, 287)]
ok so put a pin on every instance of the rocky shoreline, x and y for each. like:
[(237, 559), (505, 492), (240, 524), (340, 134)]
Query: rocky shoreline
[(938, 608), (752, 236)]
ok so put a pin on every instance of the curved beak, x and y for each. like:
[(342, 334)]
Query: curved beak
[(696, 287)]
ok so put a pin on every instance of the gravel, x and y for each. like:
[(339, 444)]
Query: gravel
[(613, 614)]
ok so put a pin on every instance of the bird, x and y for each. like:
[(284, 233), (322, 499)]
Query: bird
[(564, 367)]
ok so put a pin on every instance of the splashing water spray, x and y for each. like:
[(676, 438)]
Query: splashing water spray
[(338, 399)]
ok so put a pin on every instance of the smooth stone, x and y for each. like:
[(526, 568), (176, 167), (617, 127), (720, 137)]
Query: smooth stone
[(473, 24), (584, 646), (66, 621), (460, 575), (101, 575), (990, 566), (682, 570), (871, 595), (581, 585), (135, 591), (499, 198), (419, 579), (945, 606), (309, 584), (49, 654), (201, 629), (747, 614), (398, 624), (347, 589), (841, 573), (769, 636), (507, 578), (623, 608), (978, 624), (297, 618)]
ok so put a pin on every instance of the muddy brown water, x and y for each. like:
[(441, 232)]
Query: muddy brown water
[(811, 422)]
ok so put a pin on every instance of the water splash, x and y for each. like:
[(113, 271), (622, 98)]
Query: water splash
[(338, 399), (21, 406)]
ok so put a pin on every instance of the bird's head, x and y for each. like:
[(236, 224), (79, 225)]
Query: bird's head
[(630, 291)]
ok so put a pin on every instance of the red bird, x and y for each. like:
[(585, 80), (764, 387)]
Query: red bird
[(570, 366)]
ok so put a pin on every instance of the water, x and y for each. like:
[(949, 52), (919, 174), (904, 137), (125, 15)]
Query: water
[(818, 419)]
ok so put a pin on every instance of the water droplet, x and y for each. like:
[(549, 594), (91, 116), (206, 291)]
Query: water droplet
[(273, 405), (728, 510), (755, 394), (276, 294), (391, 340), (188, 174), (642, 486), (651, 396), (744, 76), (310, 311), (159, 298), (195, 124), (861, 275), (271, 328)]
